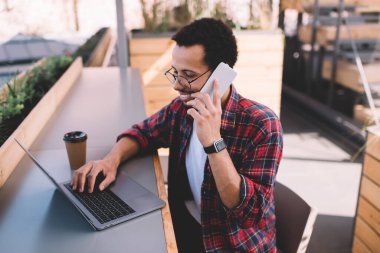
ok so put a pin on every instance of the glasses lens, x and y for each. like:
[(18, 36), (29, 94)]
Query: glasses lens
[(170, 77), (173, 78), (183, 82)]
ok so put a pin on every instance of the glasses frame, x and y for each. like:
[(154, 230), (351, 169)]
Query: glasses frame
[(176, 77)]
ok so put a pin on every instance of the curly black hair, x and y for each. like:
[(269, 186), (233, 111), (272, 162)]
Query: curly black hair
[(216, 38)]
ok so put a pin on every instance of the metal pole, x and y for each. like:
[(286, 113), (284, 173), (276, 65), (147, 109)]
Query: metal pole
[(310, 66), (122, 45), (336, 53)]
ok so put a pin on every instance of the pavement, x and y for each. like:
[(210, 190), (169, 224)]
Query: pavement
[(319, 166)]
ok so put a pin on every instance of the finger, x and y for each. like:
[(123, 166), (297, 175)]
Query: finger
[(75, 179), (199, 106), (205, 99), (82, 180), (110, 177), (193, 113), (217, 98), (91, 178)]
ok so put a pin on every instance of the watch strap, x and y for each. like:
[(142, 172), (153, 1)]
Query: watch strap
[(216, 147)]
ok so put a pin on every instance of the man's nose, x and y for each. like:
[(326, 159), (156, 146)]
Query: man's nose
[(177, 86)]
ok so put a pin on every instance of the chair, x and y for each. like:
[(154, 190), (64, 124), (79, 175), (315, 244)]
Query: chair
[(294, 220)]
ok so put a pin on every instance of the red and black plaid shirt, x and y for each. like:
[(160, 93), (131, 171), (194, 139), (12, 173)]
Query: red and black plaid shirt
[(253, 135)]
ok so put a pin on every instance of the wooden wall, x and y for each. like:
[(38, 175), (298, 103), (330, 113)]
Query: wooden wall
[(259, 68), (367, 225), (153, 57)]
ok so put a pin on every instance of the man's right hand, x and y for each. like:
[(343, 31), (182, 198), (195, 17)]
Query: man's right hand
[(124, 149), (90, 171)]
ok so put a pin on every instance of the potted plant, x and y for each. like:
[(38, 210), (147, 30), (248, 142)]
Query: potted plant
[(27, 104)]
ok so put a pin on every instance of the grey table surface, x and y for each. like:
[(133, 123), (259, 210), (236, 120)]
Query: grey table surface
[(35, 217)]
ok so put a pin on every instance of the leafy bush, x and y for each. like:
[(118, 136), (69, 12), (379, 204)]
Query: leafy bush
[(88, 47), (24, 94)]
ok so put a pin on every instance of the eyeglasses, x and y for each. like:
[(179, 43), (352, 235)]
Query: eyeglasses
[(181, 80)]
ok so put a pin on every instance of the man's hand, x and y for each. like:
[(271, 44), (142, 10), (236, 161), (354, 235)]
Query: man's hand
[(90, 171), (207, 115), (124, 149)]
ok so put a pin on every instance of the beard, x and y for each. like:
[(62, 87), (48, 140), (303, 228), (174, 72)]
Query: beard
[(185, 96)]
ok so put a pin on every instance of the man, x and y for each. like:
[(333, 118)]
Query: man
[(222, 200)]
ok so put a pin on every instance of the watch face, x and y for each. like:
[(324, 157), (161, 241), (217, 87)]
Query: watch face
[(220, 145)]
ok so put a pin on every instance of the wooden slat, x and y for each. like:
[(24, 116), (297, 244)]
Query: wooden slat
[(27, 132), (148, 46), (326, 34), (156, 68), (157, 97), (97, 56), (363, 115), (144, 62), (260, 75), (348, 75), (171, 244), (366, 234), (372, 169), (359, 247), (373, 144), (291, 4), (248, 42), (369, 214), (262, 59), (308, 5), (371, 192), (109, 51)]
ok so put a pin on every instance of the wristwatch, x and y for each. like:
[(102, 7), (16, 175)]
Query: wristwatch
[(216, 147)]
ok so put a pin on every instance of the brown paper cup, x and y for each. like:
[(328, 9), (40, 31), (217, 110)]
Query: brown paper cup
[(76, 148)]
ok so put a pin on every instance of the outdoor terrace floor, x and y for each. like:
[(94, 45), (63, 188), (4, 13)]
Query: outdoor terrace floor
[(317, 164)]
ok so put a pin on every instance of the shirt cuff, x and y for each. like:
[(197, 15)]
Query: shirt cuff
[(238, 209), (136, 136)]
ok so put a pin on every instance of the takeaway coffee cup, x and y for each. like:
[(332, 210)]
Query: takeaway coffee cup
[(76, 148)]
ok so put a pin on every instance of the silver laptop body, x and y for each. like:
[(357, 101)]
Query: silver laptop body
[(139, 199)]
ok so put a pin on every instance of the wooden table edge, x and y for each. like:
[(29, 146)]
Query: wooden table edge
[(171, 244)]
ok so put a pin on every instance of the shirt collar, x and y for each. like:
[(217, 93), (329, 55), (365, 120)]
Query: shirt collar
[(229, 112)]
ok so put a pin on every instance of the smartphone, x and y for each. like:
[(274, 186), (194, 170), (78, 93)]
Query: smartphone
[(224, 74)]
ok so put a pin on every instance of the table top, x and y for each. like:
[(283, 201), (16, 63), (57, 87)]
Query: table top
[(35, 217)]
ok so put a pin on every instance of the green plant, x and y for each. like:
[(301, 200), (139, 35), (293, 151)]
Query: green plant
[(219, 12), (150, 16), (25, 93)]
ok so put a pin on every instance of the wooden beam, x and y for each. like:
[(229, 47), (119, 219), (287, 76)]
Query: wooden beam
[(326, 34), (156, 68), (373, 145), (348, 75), (371, 192), (171, 244), (97, 56), (369, 214), (366, 234)]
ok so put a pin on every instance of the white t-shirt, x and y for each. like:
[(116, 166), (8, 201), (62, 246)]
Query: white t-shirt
[(195, 163)]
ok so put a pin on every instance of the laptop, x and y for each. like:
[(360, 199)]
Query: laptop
[(120, 202)]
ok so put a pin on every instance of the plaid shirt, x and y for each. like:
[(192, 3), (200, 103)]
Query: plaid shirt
[(253, 136)]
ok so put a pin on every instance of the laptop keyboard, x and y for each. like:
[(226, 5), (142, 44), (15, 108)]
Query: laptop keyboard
[(104, 205)]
